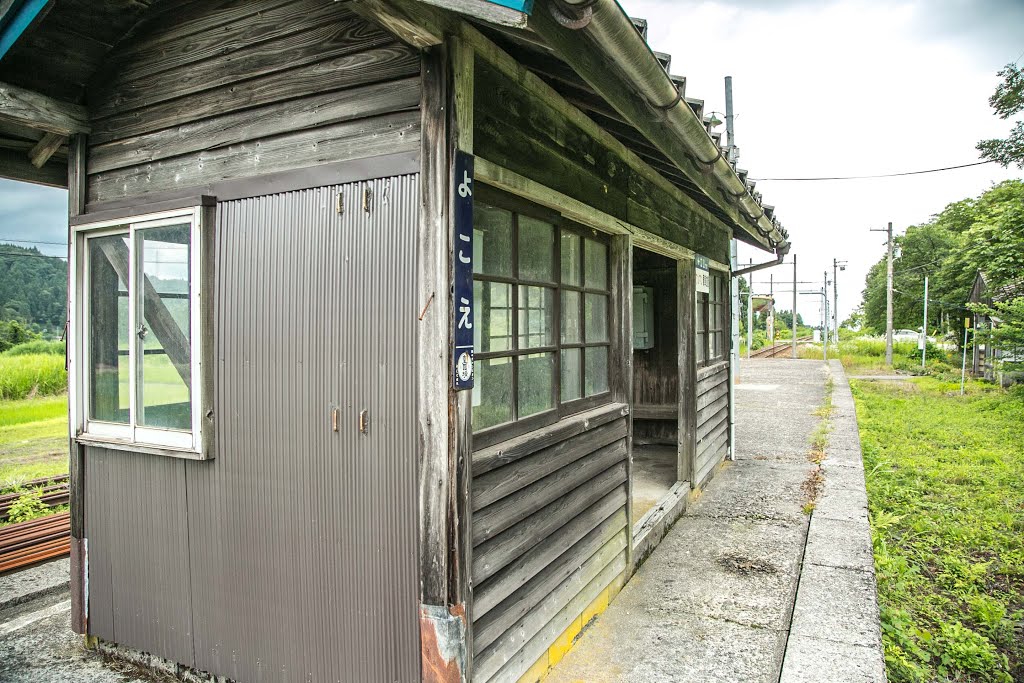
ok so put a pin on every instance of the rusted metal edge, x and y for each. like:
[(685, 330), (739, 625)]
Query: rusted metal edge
[(443, 644)]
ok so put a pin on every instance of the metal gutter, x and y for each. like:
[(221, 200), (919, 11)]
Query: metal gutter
[(605, 24), (16, 21), (781, 254)]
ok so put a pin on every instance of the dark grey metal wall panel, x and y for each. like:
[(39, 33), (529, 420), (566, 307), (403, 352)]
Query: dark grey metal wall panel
[(304, 539), (136, 524)]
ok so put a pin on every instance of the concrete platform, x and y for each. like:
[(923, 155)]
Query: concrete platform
[(739, 590)]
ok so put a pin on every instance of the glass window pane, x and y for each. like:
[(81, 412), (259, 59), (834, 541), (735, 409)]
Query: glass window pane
[(164, 357), (493, 324), (108, 328), (596, 375), (572, 374), (571, 317), (536, 317), (492, 392), (597, 318), (597, 265), (492, 241), (536, 383), (572, 259), (536, 250)]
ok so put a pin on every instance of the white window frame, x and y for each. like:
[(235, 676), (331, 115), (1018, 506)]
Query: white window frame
[(132, 436)]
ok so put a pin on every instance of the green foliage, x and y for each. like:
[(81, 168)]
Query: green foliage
[(14, 333), (1007, 101), (28, 506), (54, 347), (33, 289), (943, 475), (985, 233), (32, 375)]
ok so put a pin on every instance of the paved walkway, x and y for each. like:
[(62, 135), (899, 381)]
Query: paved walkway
[(729, 595)]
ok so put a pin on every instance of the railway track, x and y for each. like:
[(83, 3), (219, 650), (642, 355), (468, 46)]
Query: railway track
[(27, 543), (55, 492), (779, 349)]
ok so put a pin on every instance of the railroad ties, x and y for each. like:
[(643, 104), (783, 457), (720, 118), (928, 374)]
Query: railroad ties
[(779, 350), (43, 538), (55, 492)]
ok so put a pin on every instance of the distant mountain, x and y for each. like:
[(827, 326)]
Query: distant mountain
[(33, 288)]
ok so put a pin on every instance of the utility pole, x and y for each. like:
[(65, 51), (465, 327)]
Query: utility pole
[(888, 293), (837, 265), (794, 306), (750, 311), (824, 319), (924, 326), (730, 132), (771, 295)]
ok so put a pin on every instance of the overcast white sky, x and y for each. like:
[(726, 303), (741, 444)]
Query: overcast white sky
[(820, 89), (856, 87)]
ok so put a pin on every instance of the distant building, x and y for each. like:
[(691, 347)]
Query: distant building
[(985, 356)]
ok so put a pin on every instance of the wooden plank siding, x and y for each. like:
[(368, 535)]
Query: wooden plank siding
[(239, 89), (523, 132), (712, 397), (550, 532)]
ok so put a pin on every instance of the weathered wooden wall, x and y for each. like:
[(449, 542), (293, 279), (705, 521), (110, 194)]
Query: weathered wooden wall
[(549, 534), (712, 418), (524, 133), (243, 88)]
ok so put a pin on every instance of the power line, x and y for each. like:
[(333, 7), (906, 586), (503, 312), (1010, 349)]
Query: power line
[(882, 175), (12, 254), (11, 239)]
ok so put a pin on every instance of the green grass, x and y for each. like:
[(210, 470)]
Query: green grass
[(33, 439), (944, 477), (32, 410), (24, 376)]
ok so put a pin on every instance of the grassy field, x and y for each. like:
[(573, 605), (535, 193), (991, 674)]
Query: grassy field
[(945, 477), (27, 375), (33, 439)]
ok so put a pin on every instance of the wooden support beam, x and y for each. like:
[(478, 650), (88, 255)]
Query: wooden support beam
[(621, 361), (35, 110), (417, 26), (686, 278), (45, 148), (15, 165), (75, 179)]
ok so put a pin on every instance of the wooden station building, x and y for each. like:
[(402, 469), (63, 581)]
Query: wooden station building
[(399, 330)]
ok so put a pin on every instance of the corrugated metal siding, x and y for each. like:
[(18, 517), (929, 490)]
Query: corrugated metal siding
[(549, 533), (712, 419), (137, 531), (293, 552), (304, 540)]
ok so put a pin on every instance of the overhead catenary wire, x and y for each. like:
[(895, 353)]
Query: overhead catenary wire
[(879, 175)]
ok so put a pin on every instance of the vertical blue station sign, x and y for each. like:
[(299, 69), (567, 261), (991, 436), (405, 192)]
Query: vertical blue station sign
[(462, 254)]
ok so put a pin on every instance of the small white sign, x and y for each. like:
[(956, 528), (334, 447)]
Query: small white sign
[(703, 273)]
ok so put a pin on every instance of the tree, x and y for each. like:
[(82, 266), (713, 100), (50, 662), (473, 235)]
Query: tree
[(1008, 100), (984, 233)]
